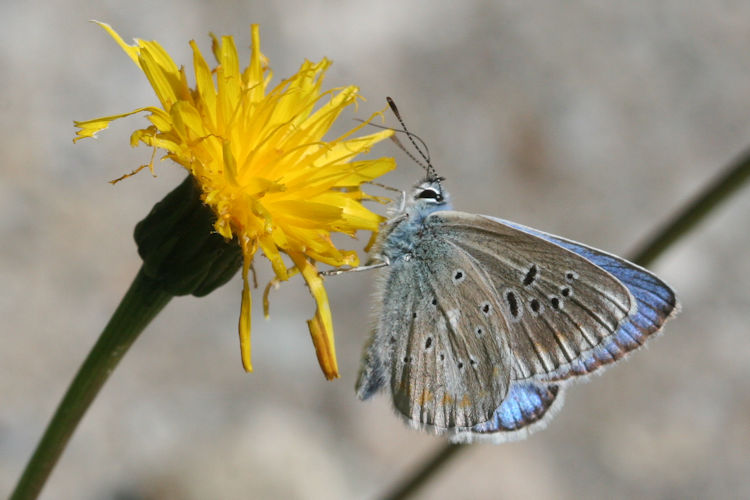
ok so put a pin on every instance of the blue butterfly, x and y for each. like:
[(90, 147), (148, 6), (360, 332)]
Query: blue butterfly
[(483, 322)]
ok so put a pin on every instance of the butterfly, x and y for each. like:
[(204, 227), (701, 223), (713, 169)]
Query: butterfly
[(482, 322)]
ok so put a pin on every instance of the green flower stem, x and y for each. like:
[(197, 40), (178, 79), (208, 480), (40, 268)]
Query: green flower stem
[(139, 306), (684, 220), (181, 255)]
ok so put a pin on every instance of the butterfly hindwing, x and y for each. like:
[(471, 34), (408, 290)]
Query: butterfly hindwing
[(527, 407), (398, 295), (447, 353)]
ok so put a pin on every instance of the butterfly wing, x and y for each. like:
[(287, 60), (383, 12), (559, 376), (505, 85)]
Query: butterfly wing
[(441, 342), (571, 308), (527, 407), (655, 300)]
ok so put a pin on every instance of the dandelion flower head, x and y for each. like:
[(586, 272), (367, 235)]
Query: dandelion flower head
[(259, 156)]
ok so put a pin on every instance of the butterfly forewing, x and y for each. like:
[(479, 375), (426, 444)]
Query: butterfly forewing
[(450, 359), (558, 304), (656, 303)]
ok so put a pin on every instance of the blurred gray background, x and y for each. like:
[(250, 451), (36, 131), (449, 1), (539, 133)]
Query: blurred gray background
[(594, 120)]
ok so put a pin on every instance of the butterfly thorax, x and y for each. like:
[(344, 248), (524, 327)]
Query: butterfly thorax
[(397, 240)]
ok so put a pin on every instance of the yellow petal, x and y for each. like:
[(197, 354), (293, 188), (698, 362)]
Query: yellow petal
[(346, 149), (204, 84), (131, 50), (320, 122), (161, 119), (89, 128), (244, 326), (354, 216), (271, 251), (230, 164), (254, 71), (245, 313), (315, 213), (320, 325), (228, 82), (255, 186), (187, 121), (162, 76)]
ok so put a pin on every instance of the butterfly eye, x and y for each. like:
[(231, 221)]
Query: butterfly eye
[(430, 194)]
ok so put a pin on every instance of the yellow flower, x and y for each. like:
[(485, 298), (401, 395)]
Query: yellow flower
[(261, 163)]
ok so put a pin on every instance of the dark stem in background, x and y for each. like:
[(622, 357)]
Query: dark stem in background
[(682, 222)]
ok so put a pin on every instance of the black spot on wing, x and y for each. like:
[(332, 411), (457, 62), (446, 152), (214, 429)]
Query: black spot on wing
[(512, 301), (530, 275), (535, 305)]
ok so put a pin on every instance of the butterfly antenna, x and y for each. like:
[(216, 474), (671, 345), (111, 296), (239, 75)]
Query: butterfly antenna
[(398, 143), (407, 152), (423, 151)]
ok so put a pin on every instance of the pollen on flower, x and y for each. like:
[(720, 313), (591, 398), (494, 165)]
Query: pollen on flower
[(262, 163)]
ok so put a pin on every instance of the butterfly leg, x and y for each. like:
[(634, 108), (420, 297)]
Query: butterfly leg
[(336, 272)]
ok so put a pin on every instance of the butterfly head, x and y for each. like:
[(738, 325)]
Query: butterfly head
[(428, 196)]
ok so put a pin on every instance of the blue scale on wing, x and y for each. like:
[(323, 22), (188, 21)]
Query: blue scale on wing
[(527, 403), (552, 323), (656, 302)]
